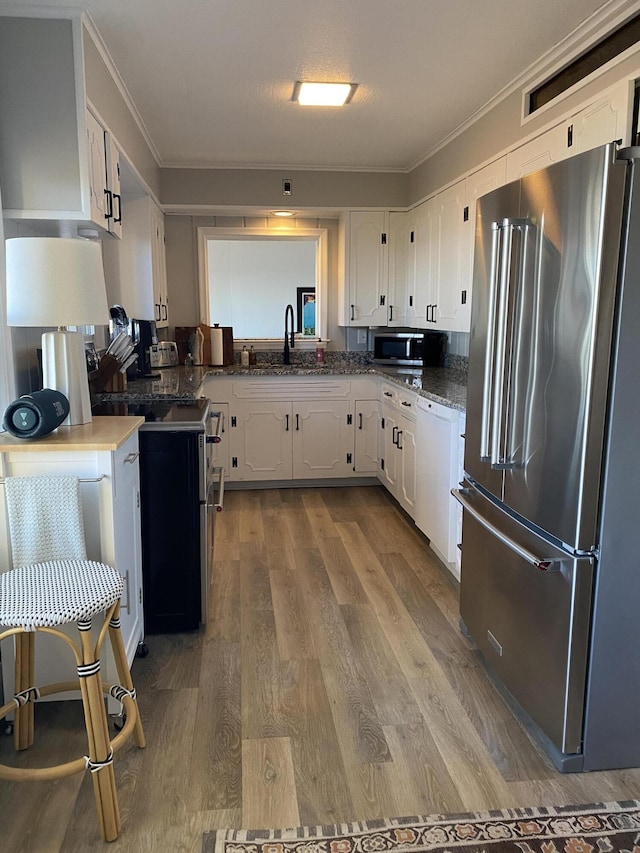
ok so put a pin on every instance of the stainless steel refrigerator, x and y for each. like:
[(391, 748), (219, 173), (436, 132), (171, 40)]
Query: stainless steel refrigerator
[(550, 580)]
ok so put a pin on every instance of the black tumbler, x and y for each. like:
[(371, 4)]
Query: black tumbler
[(36, 414)]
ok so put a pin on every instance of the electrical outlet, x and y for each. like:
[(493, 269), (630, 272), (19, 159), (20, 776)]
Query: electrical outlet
[(362, 336)]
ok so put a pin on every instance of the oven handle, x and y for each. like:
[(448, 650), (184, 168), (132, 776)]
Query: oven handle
[(218, 505), (216, 438)]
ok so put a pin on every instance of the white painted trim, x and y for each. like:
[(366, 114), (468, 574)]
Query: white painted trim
[(298, 167)]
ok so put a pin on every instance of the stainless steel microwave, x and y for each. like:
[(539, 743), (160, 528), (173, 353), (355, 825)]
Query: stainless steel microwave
[(414, 349), (398, 348)]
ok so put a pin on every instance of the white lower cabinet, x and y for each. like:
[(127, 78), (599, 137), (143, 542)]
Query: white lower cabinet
[(110, 493), (300, 428), (438, 462), (397, 467), (367, 421), (280, 441)]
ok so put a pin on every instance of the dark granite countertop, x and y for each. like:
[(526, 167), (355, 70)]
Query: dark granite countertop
[(442, 384)]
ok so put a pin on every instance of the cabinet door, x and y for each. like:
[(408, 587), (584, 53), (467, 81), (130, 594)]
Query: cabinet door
[(366, 436), (607, 119), (322, 439), (127, 541), (367, 268), (485, 180), (550, 147), (422, 290), (437, 469), (450, 211), (261, 441), (406, 449), (113, 183), (159, 268), (400, 228), (98, 191), (389, 472)]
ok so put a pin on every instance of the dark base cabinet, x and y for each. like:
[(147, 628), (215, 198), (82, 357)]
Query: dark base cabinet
[(170, 512)]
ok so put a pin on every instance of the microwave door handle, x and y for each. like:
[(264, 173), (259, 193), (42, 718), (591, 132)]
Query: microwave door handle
[(487, 385)]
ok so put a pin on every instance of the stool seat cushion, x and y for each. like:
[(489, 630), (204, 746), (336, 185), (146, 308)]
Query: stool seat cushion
[(56, 592)]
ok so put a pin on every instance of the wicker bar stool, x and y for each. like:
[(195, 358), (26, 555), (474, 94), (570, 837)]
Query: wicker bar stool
[(41, 596)]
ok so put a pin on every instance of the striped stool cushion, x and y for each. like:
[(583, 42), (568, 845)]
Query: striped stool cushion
[(56, 592)]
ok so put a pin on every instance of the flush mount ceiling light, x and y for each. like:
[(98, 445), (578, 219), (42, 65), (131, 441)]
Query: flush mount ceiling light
[(282, 212), (323, 94)]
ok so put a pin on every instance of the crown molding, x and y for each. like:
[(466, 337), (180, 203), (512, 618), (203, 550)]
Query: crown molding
[(102, 49)]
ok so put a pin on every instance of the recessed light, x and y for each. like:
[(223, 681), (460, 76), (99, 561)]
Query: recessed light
[(282, 212), (323, 94)]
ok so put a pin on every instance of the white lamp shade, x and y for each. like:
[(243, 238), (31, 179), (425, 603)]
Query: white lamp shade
[(55, 281)]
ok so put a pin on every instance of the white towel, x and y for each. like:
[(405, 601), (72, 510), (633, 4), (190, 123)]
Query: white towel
[(45, 519)]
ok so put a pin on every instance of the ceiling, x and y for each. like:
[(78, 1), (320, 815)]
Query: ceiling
[(212, 79)]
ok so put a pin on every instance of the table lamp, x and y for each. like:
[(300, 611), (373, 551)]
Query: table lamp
[(58, 281)]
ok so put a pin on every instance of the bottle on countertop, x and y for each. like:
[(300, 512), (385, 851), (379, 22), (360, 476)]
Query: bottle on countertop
[(244, 357), (252, 356), (198, 346)]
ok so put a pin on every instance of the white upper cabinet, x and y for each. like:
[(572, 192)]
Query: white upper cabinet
[(104, 177), (135, 267), (365, 268), (422, 266), (606, 119), (400, 240), (479, 183), (49, 148)]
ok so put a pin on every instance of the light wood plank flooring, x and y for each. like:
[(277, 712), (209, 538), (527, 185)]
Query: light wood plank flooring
[(332, 684)]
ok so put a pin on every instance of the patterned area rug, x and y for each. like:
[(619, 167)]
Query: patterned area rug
[(600, 827)]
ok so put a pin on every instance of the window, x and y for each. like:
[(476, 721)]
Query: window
[(249, 275), (597, 56)]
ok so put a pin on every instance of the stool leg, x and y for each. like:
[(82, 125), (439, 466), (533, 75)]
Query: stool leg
[(104, 786), (23, 727), (122, 667)]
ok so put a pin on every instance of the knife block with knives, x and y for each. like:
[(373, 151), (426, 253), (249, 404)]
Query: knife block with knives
[(112, 370)]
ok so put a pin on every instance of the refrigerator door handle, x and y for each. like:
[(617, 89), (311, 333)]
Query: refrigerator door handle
[(544, 565), (500, 458), (487, 386)]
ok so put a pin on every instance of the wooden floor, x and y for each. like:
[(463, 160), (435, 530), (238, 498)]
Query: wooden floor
[(332, 684)]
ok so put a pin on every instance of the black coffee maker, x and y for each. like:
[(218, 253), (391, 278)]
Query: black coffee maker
[(143, 334)]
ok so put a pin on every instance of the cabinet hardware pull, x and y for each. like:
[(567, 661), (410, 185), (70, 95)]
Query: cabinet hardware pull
[(387, 393), (118, 218), (297, 423), (286, 417), (127, 606), (157, 311), (398, 445), (166, 312), (109, 211), (390, 313), (360, 425), (394, 436), (131, 457), (404, 403), (353, 316)]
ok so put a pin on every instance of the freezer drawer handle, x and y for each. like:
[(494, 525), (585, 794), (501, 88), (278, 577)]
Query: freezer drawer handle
[(544, 565)]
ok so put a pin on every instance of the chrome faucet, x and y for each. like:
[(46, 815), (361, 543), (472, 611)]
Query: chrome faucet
[(285, 356)]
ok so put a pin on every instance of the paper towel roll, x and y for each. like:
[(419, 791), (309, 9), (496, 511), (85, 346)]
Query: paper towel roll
[(217, 347)]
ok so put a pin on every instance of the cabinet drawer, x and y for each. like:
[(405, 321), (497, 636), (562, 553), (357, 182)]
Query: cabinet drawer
[(125, 464)]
